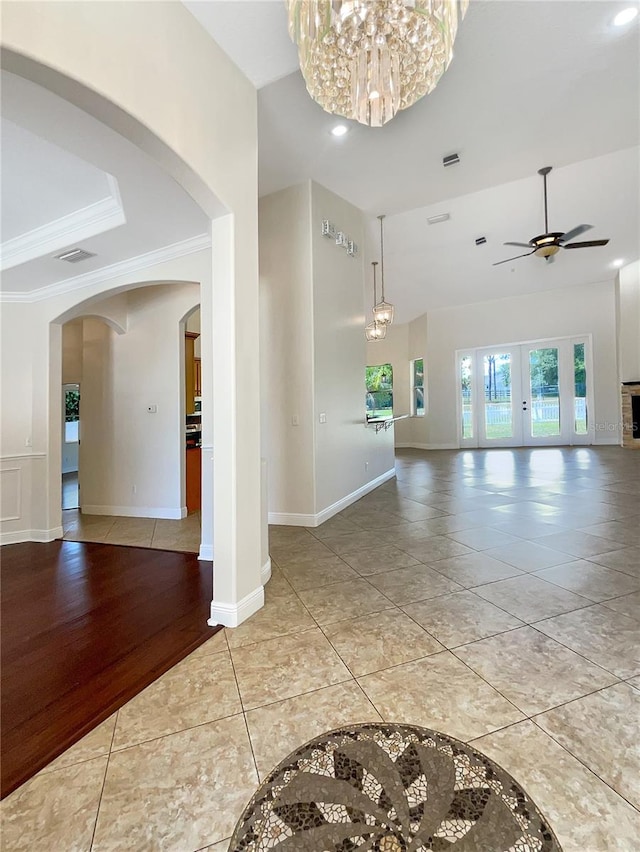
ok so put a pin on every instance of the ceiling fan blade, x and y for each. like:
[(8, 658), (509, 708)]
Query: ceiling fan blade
[(587, 244), (574, 232), (513, 258), (521, 245)]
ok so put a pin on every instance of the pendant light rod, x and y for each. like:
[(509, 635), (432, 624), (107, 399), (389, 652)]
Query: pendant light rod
[(382, 254), (374, 263)]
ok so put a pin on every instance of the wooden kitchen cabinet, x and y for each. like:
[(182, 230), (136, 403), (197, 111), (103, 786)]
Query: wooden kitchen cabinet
[(194, 479)]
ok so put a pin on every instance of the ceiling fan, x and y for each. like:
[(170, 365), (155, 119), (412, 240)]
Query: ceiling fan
[(548, 244)]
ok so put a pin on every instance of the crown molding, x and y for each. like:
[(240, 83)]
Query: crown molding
[(55, 236), (115, 270)]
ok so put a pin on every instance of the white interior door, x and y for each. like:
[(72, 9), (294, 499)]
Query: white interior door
[(532, 394)]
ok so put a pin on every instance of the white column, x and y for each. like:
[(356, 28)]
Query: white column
[(237, 585)]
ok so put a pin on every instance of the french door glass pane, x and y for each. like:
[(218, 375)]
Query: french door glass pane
[(580, 389), (544, 401), (497, 396), (465, 390), (418, 401)]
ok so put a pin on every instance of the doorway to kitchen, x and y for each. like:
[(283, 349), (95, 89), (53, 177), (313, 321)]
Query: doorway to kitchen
[(70, 446), (526, 394)]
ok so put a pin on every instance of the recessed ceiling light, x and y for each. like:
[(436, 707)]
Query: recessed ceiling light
[(625, 17), (339, 130), (618, 263)]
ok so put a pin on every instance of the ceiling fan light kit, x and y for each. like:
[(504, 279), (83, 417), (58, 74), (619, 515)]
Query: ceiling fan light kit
[(547, 245)]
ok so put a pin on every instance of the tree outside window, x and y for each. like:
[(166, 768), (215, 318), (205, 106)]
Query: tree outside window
[(417, 391), (379, 392)]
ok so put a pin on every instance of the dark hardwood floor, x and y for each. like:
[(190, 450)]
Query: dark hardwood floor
[(85, 627)]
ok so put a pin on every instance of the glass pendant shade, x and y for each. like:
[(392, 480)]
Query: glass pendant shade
[(383, 312), (375, 330), (367, 59)]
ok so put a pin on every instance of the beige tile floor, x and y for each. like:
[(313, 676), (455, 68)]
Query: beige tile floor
[(491, 595), (183, 535)]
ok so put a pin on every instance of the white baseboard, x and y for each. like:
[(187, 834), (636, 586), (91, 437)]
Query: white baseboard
[(265, 572), (282, 518), (18, 536), (427, 447), (159, 512), (231, 615), (292, 520), (206, 552)]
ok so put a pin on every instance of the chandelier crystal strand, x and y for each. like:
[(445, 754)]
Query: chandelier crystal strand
[(367, 59), (382, 311), (375, 330)]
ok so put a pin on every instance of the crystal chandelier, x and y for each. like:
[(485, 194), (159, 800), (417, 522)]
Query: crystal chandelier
[(376, 330), (382, 311), (367, 59)]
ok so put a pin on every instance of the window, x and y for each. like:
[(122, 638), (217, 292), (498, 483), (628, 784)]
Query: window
[(71, 414), (379, 398), (417, 387)]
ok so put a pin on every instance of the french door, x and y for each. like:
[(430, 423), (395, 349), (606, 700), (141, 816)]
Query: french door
[(528, 394)]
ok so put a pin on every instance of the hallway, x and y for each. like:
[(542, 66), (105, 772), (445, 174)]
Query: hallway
[(491, 595)]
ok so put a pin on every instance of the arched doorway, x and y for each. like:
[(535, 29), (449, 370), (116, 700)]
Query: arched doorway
[(204, 136)]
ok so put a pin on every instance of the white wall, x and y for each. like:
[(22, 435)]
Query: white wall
[(131, 461), (313, 358), (348, 454), (286, 348), (628, 311), (589, 309)]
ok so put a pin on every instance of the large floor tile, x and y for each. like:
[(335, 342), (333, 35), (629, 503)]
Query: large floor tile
[(318, 572), (628, 605), (623, 533), (294, 551), (288, 666), (483, 538), (529, 556), (407, 585), (531, 670), (343, 600), (601, 730), (525, 528), (437, 547), (585, 814), (605, 637), (378, 641), (382, 559), (475, 569), (193, 692), (97, 743), (529, 598), (352, 542), (579, 543), (627, 560), (282, 614), (590, 580), (439, 692), (460, 618), (178, 793), (54, 810), (277, 729), (337, 525)]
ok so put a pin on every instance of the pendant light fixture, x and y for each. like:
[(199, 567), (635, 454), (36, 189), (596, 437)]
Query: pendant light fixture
[(382, 311), (376, 330)]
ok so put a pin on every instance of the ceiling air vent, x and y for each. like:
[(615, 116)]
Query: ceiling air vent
[(441, 217), (480, 241), (450, 160), (74, 255)]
